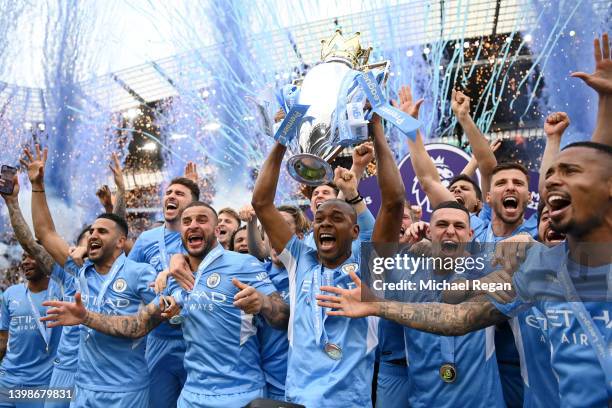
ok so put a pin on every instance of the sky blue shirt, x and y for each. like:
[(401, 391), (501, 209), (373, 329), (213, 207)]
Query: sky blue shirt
[(274, 345), (68, 349), (477, 382), (313, 378), (108, 363), (27, 361), (222, 351), (146, 250), (574, 361)]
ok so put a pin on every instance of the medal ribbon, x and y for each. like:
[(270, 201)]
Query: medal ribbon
[(45, 331), (602, 350), (97, 305), (319, 313), (161, 245)]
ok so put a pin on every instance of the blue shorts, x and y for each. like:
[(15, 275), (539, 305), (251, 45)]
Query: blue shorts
[(393, 388), (61, 378), (165, 361), (84, 398), (192, 400)]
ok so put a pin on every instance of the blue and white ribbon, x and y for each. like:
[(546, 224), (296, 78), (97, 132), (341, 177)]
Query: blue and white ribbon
[(291, 124), (404, 122)]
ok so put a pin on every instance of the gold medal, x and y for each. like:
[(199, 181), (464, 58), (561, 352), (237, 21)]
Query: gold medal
[(448, 373)]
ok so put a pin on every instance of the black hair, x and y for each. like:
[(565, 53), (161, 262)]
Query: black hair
[(451, 204), (190, 184), (120, 221), (465, 177), (201, 204), (511, 166), (591, 145), (231, 243)]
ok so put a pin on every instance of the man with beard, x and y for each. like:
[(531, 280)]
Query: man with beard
[(229, 222), (111, 371), (222, 357), (568, 283), (330, 359), (165, 349)]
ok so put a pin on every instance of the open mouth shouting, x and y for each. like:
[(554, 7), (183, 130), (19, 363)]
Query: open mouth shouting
[(94, 247), (171, 208), (553, 236), (448, 246), (558, 203), (195, 240), (327, 241), (460, 199), (510, 205)]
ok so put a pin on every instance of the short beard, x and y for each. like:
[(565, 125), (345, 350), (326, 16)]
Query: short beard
[(578, 230), (205, 249)]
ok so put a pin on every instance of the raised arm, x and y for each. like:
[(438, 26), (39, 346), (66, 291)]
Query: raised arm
[(437, 318), (362, 156), (22, 231), (256, 244), (388, 222), (133, 326), (119, 206), (424, 167), (263, 200), (44, 229), (555, 125), (601, 81), (485, 159)]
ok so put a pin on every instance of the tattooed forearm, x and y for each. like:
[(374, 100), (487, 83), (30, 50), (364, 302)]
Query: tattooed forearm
[(119, 208), (133, 327), (276, 311), (26, 238), (440, 318)]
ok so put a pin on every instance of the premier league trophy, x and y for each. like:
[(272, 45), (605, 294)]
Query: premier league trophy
[(332, 103)]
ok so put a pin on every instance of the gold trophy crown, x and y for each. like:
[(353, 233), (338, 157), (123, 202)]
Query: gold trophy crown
[(339, 48)]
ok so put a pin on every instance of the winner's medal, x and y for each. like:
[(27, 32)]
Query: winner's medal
[(178, 319), (448, 373), (333, 351)]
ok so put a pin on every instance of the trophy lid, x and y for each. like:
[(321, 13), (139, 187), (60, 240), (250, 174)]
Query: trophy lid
[(344, 49)]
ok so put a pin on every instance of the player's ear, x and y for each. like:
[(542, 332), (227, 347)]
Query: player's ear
[(355, 232)]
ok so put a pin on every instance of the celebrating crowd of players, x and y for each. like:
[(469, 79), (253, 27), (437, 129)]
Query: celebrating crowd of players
[(201, 312)]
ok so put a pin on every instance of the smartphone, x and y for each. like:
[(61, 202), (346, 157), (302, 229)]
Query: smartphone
[(6, 179)]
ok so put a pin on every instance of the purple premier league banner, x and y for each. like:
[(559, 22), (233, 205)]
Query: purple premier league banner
[(449, 161)]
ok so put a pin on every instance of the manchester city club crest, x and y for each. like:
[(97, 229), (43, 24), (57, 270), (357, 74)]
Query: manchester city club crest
[(120, 285), (213, 280), (351, 267)]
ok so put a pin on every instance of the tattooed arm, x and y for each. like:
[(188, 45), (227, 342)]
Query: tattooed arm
[(23, 233), (437, 318), (275, 311), (133, 326), (440, 318), (272, 307)]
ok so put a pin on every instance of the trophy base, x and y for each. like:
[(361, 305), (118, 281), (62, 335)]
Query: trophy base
[(309, 169)]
